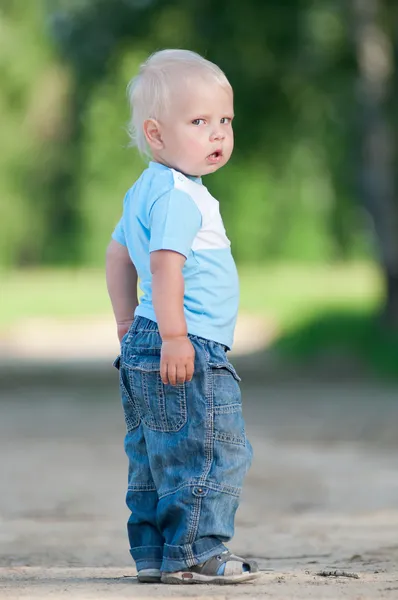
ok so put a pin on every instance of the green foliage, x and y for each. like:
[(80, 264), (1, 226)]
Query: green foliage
[(65, 165), (36, 159), (21, 65), (350, 335)]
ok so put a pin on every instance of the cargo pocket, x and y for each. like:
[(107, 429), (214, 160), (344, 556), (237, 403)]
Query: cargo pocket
[(131, 415), (229, 426), (161, 407)]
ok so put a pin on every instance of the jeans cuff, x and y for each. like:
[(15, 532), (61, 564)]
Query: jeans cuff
[(147, 557), (176, 558)]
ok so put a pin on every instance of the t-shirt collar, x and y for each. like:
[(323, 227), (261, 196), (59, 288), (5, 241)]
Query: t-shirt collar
[(156, 165)]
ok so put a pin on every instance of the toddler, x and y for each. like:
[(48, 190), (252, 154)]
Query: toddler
[(185, 441)]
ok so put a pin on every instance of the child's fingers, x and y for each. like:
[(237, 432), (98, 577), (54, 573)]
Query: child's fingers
[(181, 374), (172, 374), (163, 371), (189, 370)]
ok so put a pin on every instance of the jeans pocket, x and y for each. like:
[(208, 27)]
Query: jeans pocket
[(229, 426), (162, 407), (131, 415), (225, 383)]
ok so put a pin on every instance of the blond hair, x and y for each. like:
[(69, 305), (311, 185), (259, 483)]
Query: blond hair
[(149, 92)]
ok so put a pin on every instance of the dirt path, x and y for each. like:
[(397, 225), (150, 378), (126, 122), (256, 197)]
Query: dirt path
[(322, 493), (112, 583)]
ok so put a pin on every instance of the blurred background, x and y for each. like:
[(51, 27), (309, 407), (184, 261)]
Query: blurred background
[(309, 198), (310, 203)]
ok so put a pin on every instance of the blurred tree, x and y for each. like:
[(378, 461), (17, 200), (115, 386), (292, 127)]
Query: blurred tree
[(23, 63), (374, 40), (280, 59), (299, 69), (86, 34)]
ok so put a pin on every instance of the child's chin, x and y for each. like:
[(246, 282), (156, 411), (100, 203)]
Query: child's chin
[(215, 166)]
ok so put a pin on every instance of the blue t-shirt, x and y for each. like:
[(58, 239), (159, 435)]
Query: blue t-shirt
[(165, 210)]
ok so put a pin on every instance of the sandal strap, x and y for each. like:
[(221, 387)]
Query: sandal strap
[(213, 564)]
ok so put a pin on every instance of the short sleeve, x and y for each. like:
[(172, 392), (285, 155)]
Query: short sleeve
[(174, 222), (118, 233)]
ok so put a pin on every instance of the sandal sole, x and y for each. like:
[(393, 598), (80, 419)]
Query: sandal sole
[(189, 578)]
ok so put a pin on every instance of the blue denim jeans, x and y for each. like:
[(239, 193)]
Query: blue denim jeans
[(187, 449)]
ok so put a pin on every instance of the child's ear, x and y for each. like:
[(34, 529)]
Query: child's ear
[(153, 134)]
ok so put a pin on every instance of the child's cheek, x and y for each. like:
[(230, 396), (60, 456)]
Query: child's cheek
[(195, 144)]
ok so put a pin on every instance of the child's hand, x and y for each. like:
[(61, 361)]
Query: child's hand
[(177, 360), (122, 329)]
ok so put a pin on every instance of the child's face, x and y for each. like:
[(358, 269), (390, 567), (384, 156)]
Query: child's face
[(196, 136)]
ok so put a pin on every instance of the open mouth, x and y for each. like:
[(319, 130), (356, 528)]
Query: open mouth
[(215, 156)]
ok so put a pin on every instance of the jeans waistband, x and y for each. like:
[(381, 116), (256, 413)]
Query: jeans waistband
[(144, 324)]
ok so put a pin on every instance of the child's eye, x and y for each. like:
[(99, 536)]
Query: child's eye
[(198, 122), (225, 121)]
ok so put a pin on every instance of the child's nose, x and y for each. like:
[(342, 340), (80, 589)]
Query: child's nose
[(217, 135)]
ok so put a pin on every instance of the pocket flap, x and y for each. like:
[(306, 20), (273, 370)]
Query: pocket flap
[(228, 367)]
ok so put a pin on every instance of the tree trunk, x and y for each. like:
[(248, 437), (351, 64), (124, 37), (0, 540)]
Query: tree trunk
[(374, 52)]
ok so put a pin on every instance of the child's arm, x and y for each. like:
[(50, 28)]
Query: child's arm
[(178, 354), (121, 279)]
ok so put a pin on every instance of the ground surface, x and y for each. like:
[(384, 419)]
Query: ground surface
[(322, 493)]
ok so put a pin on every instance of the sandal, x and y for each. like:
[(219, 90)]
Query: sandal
[(221, 569), (149, 576)]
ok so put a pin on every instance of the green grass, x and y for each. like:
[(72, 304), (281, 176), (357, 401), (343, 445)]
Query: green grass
[(288, 294), (47, 293), (316, 309), (294, 294)]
